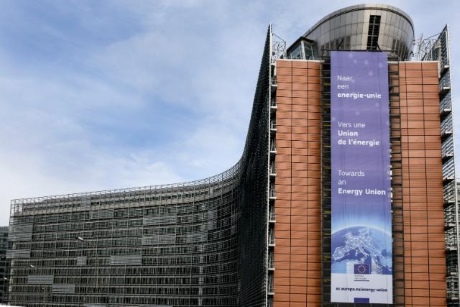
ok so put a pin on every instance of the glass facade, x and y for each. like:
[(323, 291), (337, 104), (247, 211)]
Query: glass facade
[(170, 246), (365, 27)]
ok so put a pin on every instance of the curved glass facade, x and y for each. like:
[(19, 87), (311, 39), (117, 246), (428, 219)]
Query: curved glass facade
[(166, 245), (364, 27)]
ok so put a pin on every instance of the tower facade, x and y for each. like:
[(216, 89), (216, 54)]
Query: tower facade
[(364, 146), (344, 193)]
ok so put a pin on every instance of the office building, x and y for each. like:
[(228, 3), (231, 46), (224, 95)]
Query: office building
[(339, 196), (4, 265)]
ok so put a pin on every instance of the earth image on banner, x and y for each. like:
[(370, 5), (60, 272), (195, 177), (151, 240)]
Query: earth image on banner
[(361, 250)]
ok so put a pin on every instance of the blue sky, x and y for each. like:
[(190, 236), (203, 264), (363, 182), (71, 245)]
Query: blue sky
[(109, 94)]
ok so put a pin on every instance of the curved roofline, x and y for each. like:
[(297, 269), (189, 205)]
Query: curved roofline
[(361, 7), (210, 181)]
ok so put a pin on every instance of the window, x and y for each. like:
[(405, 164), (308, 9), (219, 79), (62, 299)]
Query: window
[(373, 33)]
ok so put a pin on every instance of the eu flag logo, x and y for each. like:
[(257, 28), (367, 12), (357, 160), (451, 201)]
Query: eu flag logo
[(360, 300), (362, 268)]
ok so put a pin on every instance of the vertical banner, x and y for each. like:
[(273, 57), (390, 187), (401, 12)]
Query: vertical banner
[(361, 240)]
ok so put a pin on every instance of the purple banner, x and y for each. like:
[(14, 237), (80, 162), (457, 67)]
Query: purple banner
[(361, 240)]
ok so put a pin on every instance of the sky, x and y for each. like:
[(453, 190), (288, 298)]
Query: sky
[(112, 94)]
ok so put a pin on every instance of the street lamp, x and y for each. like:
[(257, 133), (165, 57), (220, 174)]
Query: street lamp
[(81, 239)]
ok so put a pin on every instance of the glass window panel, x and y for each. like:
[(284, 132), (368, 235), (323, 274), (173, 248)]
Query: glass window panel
[(349, 17)]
